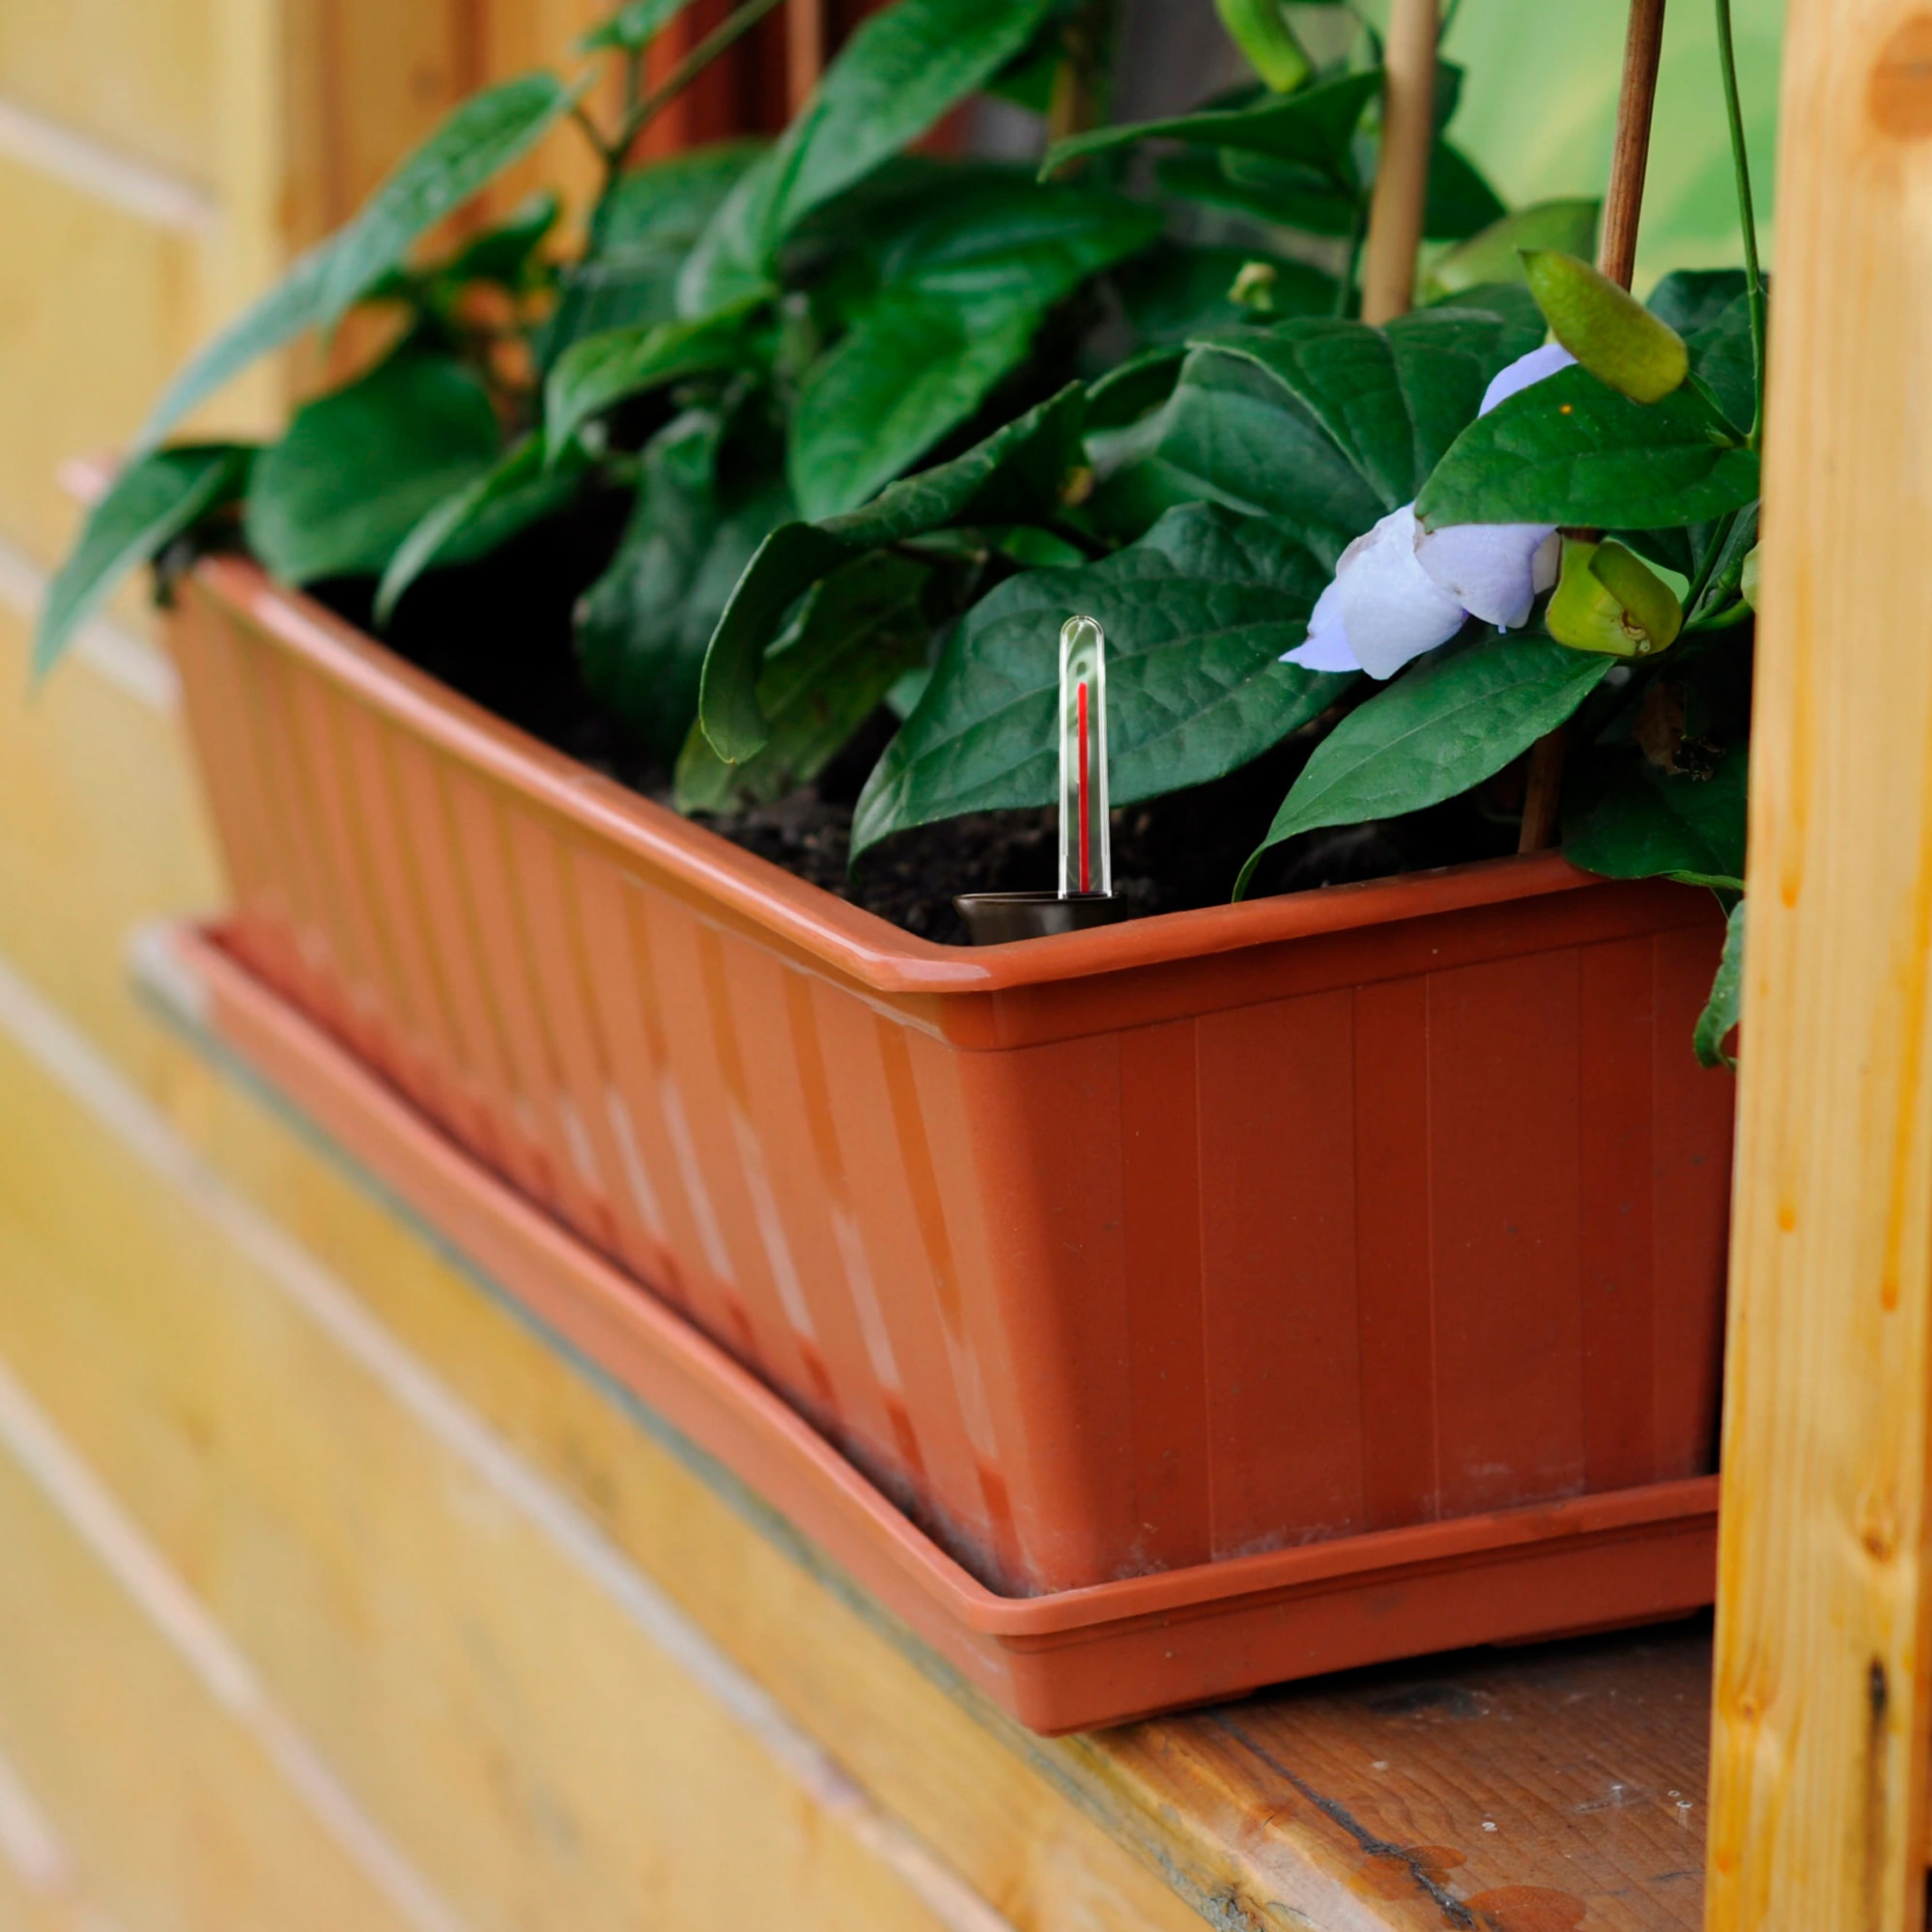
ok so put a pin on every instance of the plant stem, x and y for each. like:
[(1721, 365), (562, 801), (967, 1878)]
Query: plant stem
[(722, 36), (1727, 60)]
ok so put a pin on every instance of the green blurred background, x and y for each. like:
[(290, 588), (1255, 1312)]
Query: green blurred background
[(1539, 99)]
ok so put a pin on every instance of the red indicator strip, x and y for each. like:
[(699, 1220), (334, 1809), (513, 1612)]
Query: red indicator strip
[(1086, 849)]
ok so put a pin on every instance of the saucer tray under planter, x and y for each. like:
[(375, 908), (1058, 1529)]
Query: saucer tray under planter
[(1155, 1248)]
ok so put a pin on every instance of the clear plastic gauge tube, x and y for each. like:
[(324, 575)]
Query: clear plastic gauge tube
[(1086, 853)]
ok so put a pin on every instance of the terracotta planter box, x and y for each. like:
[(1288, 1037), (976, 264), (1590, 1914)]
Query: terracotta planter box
[(1117, 1253)]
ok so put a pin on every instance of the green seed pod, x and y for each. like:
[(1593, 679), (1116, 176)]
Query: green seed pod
[(1606, 328), (1608, 598), (1254, 287), (1261, 30), (1747, 579)]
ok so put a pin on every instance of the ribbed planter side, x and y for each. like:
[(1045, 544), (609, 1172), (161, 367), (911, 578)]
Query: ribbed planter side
[(1113, 1253)]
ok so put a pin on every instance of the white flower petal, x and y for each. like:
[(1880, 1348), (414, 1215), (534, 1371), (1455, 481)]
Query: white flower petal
[(1525, 371), (1391, 608), (1324, 650), (1489, 568), (1546, 565)]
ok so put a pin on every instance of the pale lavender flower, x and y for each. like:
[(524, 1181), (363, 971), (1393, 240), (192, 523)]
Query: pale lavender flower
[(1400, 590)]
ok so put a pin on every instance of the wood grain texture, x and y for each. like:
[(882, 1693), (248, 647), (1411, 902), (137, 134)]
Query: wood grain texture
[(1820, 1724), (142, 79), (167, 1800)]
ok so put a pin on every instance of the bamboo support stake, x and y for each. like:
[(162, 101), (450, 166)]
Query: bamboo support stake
[(1821, 1706), (1402, 175), (1616, 257), (805, 50)]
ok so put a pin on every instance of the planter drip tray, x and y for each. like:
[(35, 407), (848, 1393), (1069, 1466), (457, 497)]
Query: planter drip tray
[(1065, 1659)]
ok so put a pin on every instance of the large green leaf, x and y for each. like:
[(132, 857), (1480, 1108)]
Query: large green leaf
[(904, 68), (859, 633), (961, 301), (1281, 194), (1569, 450), (597, 371), (1315, 127), (1015, 476), (1173, 291), (151, 502), (646, 227), (468, 149), (480, 516), (1693, 299), (1435, 732), (1197, 615), (1494, 253), (913, 370), (361, 468), (1644, 822), (1722, 357), (1459, 203), (1330, 424), (642, 627)]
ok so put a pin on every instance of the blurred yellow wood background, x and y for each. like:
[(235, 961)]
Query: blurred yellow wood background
[(329, 1596)]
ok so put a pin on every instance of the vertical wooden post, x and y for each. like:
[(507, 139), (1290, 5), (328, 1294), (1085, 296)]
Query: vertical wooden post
[(1819, 1729), (1402, 175)]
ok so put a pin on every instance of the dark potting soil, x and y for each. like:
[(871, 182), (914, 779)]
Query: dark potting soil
[(501, 636)]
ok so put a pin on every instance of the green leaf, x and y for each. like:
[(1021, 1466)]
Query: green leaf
[(860, 632), (1691, 299), (1721, 359), (903, 69), (1643, 822), (1314, 128), (468, 149), (1197, 615), (1460, 203), (1435, 732), (1281, 194), (598, 371), (507, 253), (642, 627), (150, 504), (1722, 1011), (361, 468), (1569, 450), (961, 302), (1014, 476), (635, 25), (1494, 255), (1173, 290), (479, 516), (1330, 424), (644, 229)]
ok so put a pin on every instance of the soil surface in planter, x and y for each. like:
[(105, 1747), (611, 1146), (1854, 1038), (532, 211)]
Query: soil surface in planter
[(501, 633)]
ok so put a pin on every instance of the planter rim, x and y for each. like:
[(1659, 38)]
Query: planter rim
[(858, 943)]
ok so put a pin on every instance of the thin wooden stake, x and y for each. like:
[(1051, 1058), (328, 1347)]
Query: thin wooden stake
[(805, 49), (1616, 257), (1824, 1678), (1402, 175)]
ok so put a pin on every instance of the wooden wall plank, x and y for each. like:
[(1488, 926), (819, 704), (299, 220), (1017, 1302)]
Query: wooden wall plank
[(1822, 1701), (164, 1797), (101, 827), (140, 80), (499, 1703), (74, 274)]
